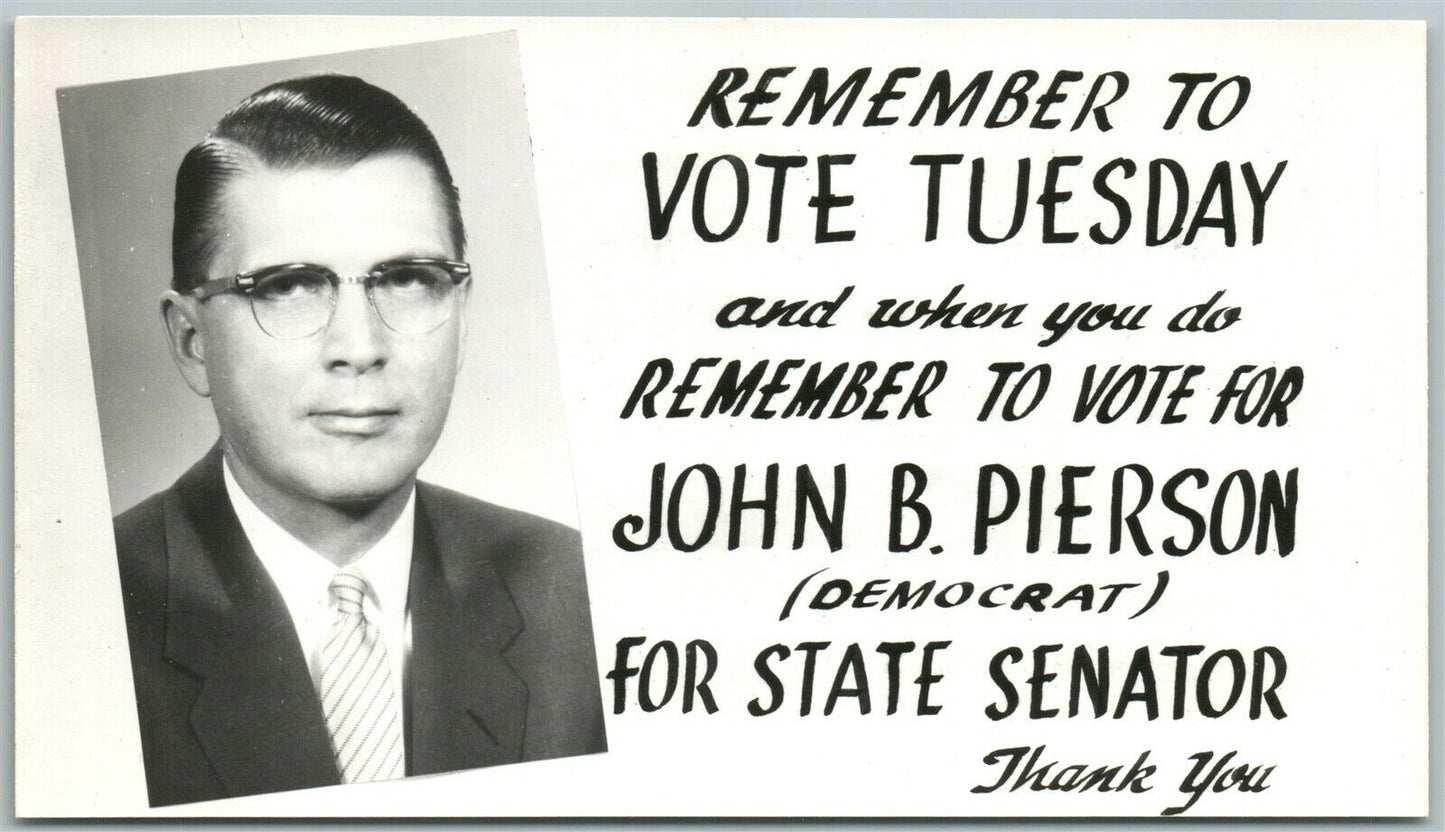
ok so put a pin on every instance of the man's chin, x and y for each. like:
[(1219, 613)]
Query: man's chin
[(357, 483), (358, 497)]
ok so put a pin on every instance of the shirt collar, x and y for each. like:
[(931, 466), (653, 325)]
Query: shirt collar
[(303, 576)]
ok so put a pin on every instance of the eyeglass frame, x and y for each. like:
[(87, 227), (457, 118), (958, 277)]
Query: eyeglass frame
[(245, 284)]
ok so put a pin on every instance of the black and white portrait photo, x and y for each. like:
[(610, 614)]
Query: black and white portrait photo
[(328, 394)]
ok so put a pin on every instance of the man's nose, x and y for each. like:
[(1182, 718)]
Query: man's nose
[(356, 339)]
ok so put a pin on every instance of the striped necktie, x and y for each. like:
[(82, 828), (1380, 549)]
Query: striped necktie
[(356, 688)]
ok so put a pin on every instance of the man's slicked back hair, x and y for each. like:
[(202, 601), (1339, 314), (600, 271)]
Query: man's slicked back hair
[(316, 121)]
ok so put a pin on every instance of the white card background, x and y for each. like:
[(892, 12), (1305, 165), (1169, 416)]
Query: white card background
[(1337, 288)]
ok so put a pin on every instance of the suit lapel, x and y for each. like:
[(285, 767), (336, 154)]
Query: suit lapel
[(257, 715), (467, 706)]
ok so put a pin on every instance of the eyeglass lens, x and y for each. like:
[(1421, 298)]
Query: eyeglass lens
[(410, 299)]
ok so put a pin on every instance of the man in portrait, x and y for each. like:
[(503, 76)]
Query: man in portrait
[(301, 610)]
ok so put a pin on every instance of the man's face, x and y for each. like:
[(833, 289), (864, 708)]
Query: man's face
[(346, 415)]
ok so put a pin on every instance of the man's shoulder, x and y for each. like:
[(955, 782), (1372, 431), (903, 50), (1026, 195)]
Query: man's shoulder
[(146, 514), (525, 548), (140, 532), (142, 553), (141, 529), (490, 521)]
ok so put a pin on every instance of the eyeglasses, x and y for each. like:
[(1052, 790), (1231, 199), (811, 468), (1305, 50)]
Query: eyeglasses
[(411, 297)]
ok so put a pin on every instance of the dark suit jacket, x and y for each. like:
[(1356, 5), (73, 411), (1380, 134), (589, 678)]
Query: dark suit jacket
[(502, 666)]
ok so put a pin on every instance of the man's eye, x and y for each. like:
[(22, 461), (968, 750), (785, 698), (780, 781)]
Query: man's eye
[(291, 286), (420, 279)]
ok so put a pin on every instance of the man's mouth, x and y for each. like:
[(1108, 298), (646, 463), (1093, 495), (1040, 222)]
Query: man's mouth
[(354, 421)]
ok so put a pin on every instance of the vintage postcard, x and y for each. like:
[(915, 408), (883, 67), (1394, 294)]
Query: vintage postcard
[(954, 418)]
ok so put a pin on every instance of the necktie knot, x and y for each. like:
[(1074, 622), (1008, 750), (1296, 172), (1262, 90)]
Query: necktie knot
[(348, 587)]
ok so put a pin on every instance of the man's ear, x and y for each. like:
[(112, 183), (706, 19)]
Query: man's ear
[(466, 290), (181, 316)]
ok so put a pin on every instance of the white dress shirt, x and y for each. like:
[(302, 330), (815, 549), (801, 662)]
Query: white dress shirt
[(304, 578)]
